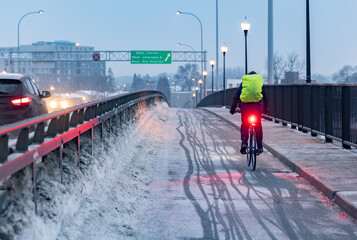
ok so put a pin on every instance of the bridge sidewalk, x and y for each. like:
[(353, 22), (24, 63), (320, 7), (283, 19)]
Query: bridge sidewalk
[(328, 167)]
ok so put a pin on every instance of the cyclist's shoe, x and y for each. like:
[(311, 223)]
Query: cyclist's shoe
[(243, 149), (259, 151)]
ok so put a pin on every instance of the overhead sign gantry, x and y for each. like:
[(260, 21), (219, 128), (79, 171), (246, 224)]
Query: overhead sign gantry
[(134, 56)]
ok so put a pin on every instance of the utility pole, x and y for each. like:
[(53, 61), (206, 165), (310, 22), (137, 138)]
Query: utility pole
[(217, 57), (308, 57), (270, 43)]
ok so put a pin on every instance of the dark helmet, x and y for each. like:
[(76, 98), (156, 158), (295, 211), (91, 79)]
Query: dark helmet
[(251, 73)]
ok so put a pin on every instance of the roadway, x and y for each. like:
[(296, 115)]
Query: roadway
[(201, 188)]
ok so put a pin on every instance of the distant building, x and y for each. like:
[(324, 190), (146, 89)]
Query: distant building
[(290, 78), (57, 73), (182, 100), (293, 78)]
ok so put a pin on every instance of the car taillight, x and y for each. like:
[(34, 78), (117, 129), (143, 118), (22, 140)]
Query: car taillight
[(21, 101)]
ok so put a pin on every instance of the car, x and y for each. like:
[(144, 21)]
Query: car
[(20, 98)]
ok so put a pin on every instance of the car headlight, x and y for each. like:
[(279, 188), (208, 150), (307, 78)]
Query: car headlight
[(53, 104), (64, 104)]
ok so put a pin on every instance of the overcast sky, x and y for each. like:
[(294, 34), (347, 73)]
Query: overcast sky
[(153, 25)]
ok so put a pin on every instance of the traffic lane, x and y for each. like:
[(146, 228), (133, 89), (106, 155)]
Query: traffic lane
[(233, 201)]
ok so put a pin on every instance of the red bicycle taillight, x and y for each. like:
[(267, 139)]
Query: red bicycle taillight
[(21, 101), (252, 119)]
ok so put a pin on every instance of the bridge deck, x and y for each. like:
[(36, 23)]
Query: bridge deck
[(202, 188)]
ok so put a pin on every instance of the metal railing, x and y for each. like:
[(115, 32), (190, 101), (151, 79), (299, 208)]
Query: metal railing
[(324, 109), (24, 143)]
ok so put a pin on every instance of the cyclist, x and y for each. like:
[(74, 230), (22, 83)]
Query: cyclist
[(252, 100)]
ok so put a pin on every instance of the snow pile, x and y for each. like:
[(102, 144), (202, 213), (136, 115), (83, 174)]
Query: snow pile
[(101, 200)]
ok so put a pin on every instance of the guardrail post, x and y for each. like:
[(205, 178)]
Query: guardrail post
[(81, 116), (87, 114), (294, 106), (79, 148), (4, 148), (74, 119), (102, 135), (346, 119), (34, 190), (92, 134), (52, 128), (110, 129), (66, 123), (274, 102), (39, 133), (23, 140), (312, 111), (61, 124), (328, 113), (300, 113), (60, 162)]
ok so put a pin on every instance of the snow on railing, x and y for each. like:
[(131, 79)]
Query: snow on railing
[(24, 143)]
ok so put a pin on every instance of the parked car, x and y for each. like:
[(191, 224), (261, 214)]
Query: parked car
[(20, 98)]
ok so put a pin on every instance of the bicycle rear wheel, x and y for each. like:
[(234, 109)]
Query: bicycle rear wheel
[(254, 151), (249, 149)]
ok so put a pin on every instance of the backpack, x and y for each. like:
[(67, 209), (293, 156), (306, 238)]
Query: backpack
[(252, 88)]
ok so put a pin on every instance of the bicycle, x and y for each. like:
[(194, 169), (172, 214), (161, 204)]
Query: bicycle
[(252, 142)]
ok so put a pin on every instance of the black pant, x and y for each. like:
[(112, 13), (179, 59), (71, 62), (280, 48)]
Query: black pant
[(248, 109)]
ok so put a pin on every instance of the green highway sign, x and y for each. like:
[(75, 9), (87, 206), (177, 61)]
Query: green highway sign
[(150, 57)]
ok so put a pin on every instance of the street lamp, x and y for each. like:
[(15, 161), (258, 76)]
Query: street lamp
[(179, 12), (212, 62), (245, 27), (18, 35), (196, 94), (205, 82), (183, 44), (224, 50)]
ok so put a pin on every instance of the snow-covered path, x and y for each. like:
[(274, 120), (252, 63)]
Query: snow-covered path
[(203, 189)]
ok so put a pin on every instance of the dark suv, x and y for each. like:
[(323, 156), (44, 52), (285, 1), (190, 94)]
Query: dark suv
[(20, 98)]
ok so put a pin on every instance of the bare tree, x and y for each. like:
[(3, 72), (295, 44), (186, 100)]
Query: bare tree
[(293, 64), (279, 67), (184, 76), (347, 74)]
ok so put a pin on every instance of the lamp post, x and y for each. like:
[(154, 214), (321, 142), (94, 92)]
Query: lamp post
[(212, 62), (196, 88), (245, 27), (200, 82), (205, 73), (194, 98), (194, 83), (179, 12), (308, 57), (224, 50), (18, 36)]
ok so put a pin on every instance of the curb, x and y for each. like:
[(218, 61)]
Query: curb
[(326, 190)]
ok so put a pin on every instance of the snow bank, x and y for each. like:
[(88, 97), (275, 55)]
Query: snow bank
[(102, 199)]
